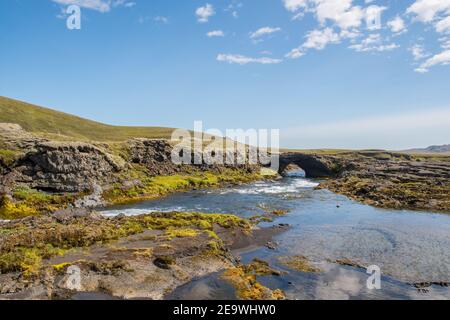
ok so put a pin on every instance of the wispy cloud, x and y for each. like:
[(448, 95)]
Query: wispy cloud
[(215, 33), (442, 58), (161, 19), (316, 39), (243, 60), (428, 10), (234, 8), (374, 42), (97, 5), (263, 31), (418, 52)]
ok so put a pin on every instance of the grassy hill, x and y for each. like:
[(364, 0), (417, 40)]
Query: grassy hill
[(61, 125)]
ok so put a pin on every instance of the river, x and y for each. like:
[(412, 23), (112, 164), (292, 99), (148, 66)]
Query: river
[(408, 246)]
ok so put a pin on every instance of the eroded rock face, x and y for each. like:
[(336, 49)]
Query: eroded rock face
[(155, 155), (66, 167), (3, 168)]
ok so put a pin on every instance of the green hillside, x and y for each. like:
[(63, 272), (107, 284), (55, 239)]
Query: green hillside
[(56, 124)]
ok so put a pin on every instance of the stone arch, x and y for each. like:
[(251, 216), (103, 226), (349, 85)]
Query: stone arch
[(313, 165)]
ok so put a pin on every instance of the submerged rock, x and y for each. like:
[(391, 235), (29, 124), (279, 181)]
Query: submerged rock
[(244, 280), (299, 263)]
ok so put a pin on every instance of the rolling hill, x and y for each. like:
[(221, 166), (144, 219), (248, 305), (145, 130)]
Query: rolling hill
[(55, 124)]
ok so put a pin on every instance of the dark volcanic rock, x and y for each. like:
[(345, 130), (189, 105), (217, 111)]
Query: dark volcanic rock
[(66, 167), (315, 166), (382, 179), (155, 155), (394, 181)]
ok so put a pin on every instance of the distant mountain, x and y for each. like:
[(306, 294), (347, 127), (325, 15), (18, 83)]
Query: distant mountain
[(432, 149)]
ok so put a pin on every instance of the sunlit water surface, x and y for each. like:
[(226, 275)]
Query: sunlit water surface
[(408, 246)]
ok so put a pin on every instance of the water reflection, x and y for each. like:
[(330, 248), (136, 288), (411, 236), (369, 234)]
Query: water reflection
[(408, 246)]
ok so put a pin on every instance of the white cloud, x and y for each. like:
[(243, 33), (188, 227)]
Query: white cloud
[(263, 31), (215, 33), (318, 39), (432, 11), (349, 34), (445, 43), (397, 25), (418, 52), (428, 10), (295, 53), (341, 12), (243, 60), (97, 5), (398, 131), (295, 5), (125, 3), (373, 42), (443, 25), (442, 58), (204, 13)]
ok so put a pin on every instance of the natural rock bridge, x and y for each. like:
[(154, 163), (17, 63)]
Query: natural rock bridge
[(315, 166)]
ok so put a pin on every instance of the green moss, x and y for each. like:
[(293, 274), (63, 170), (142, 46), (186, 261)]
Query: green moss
[(8, 157), (164, 221), (244, 280), (299, 263), (212, 234), (27, 260), (206, 225), (394, 193), (181, 233), (155, 187), (131, 227), (215, 248), (267, 172), (23, 248), (61, 267), (10, 210), (29, 202)]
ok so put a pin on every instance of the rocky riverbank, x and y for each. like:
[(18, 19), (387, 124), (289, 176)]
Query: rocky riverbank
[(392, 180), (48, 186), (39, 176), (58, 256), (50, 232)]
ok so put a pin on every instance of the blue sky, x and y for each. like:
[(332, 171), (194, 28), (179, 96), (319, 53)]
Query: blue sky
[(313, 68)]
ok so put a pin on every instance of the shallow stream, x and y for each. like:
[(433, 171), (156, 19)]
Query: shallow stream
[(408, 246)]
